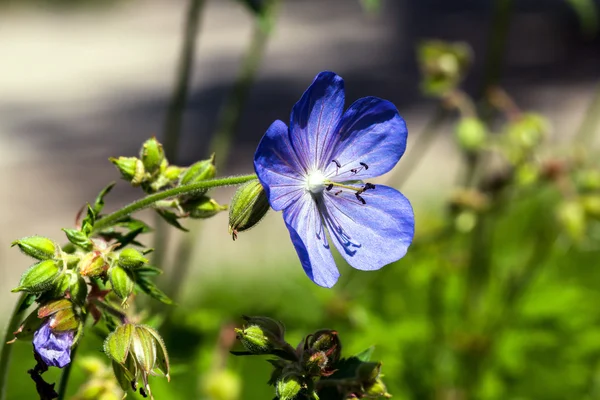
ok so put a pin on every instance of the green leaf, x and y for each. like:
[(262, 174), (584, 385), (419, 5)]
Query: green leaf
[(99, 202), (148, 287), (366, 354), (78, 238), (129, 238), (171, 219), (87, 225)]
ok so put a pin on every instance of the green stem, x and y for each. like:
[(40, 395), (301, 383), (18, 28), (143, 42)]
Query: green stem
[(12, 326), (502, 13), (149, 200), (172, 126), (589, 126)]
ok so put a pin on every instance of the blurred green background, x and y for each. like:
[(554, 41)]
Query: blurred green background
[(498, 296)]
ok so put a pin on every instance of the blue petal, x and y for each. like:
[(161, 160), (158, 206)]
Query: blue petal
[(372, 235), (277, 167), (372, 133), (308, 236), (54, 348), (314, 120)]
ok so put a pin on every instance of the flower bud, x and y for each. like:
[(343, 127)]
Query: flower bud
[(92, 264), (131, 168), (117, 343), (528, 131), (443, 65), (152, 155), (131, 258), (222, 385), (203, 207), (471, 134), (60, 285), (248, 206), (37, 247), (121, 281), (591, 205), (39, 277), (327, 341), (289, 386), (77, 288), (376, 389), (200, 171), (64, 320), (172, 172), (256, 339)]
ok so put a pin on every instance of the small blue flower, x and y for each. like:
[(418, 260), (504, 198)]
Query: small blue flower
[(53, 347), (313, 171)]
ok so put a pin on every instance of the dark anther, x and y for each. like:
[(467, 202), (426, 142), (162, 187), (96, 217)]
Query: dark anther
[(364, 165), (359, 198), (337, 163), (329, 187), (143, 392), (338, 192), (354, 170), (134, 385), (368, 186)]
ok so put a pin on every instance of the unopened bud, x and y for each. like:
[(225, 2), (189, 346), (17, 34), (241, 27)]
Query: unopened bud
[(152, 155), (37, 247), (39, 277), (528, 130), (64, 320), (203, 207), (131, 258), (92, 264), (222, 384), (121, 281), (131, 168), (327, 341), (591, 205), (118, 342), (289, 386), (200, 171), (256, 339), (471, 134), (77, 288), (172, 172), (248, 206), (59, 286), (572, 216)]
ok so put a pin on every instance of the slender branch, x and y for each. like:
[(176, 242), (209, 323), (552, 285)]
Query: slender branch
[(12, 326), (172, 127), (149, 200)]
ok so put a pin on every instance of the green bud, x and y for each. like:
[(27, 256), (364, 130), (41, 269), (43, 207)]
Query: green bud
[(143, 348), (572, 216), (131, 258), (37, 247), (248, 206), (118, 342), (376, 389), (528, 130), (162, 356), (59, 286), (131, 168), (77, 288), (591, 205), (92, 264), (39, 277), (172, 172), (275, 328), (152, 155), (327, 341), (471, 134), (203, 207), (289, 386), (121, 281), (200, 171), (316, 363), (256, 339), (443, 65)]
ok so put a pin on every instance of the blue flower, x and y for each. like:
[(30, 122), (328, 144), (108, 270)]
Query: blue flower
[(53, 347), (314, 169)]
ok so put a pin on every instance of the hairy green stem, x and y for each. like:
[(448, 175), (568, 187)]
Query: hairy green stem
[(179, 95), (12, 326), (149, 200)]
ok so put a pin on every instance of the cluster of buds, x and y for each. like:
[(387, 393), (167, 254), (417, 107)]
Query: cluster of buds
[(315, 368), (443, 65), (137, 351), (152, 172)]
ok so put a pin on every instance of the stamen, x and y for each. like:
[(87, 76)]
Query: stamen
[(359, 198), (338, 192), (337, 163), (364, 165), (354, 170), (368, 186), (329, 187)]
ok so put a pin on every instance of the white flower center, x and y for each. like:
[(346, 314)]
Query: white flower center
[(315, 182)]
